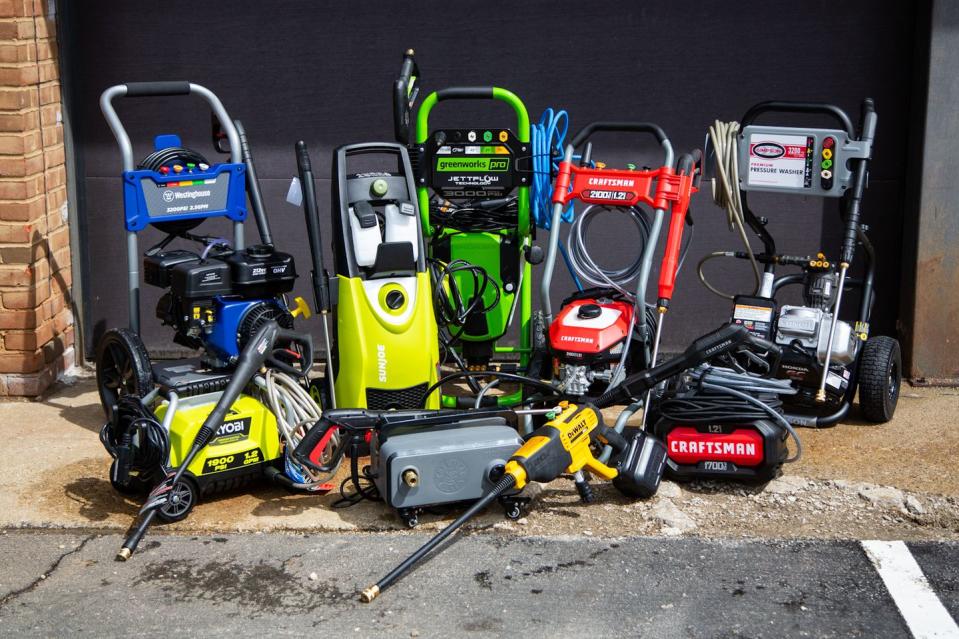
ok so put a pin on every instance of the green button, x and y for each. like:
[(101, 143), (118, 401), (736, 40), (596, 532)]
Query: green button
[(379, 187)]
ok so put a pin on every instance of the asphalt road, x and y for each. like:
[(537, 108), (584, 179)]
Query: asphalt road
[(58, 584)]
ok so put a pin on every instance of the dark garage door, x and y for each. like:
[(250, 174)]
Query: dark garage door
[(323, 71)]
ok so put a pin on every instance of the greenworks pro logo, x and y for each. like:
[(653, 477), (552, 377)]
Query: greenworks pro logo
[(447, 165)]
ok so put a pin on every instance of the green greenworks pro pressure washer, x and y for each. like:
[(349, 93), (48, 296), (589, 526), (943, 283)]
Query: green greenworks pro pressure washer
[(473, 191)]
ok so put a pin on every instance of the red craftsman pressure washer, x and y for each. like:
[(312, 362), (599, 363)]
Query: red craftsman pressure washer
[(603, 333)]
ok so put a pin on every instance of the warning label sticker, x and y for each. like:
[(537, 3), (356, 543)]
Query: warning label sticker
[(783, 161)]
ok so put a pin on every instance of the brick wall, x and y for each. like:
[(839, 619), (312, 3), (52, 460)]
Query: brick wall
[(36, 313)]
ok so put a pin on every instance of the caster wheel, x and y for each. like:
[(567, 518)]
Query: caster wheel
[(183, 498), (135, 486), (410, 518), (880, 376), (513, 512), (123, 367)]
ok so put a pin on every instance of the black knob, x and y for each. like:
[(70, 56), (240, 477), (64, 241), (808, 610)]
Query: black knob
[(589, 311), (534, 254), (395, 299)]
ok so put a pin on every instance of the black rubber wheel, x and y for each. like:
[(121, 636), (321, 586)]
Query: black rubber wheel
[(880, 376), (135, 487), (123, 367), (183, 498)]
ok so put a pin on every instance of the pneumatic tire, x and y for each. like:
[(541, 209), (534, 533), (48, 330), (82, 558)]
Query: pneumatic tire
[(880, 377)]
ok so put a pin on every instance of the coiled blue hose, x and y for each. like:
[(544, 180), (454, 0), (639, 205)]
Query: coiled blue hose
[(548, 137)]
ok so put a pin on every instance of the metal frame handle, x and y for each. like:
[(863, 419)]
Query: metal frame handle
[(161, 89)]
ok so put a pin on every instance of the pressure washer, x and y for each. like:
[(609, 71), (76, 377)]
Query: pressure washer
[(574, 440), (218, 441), (605, 332), (387, 350), (473, 190), (825, 357), (218, 299), (217, 295)]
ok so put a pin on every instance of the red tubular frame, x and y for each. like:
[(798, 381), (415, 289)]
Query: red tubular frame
[(661, 188)]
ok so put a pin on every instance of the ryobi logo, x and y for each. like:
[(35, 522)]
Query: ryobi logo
[(232, 431), (448, 165), (769, 150), (381, 362)]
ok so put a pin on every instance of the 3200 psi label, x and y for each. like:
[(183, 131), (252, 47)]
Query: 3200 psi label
[(782, 161)]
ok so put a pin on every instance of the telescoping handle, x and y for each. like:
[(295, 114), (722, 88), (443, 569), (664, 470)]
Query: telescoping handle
[(162, 89)]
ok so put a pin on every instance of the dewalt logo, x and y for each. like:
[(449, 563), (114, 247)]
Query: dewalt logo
[(448, 165)]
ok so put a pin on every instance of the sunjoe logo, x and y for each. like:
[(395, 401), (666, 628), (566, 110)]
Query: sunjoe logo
[(769, 150)]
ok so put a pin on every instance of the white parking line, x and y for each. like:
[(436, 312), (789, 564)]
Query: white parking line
[(925, 615)]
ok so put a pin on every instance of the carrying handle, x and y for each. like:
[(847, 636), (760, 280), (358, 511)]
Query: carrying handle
[(162, 89), (819, 108), (150, 89), (626, 127), (404, 95), (473, 93)]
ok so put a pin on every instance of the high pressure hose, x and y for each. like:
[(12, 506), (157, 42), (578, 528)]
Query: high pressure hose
[(296, 413), (726, 194), (548, 139)]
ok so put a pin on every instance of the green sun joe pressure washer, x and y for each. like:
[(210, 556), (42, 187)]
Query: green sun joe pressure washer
[(473, 192)]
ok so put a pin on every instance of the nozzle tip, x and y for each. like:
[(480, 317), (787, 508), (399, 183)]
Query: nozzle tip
[(124, 554), (370, 594), (409, 52)]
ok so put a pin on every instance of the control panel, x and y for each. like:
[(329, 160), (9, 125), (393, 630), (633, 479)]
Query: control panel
[(807, 161), (473, 162), (183, 190)]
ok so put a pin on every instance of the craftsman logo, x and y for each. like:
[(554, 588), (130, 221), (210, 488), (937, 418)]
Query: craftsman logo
[(381, 362), (711, 447), (769, 150), (597, 181), (742, 446), (447, 165), (575, 338), (168, 196), (719, 347), (232, 431)]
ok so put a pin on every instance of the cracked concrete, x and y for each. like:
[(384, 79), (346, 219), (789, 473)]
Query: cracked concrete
[(20, 562)]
